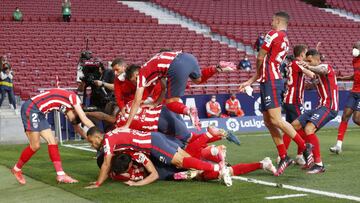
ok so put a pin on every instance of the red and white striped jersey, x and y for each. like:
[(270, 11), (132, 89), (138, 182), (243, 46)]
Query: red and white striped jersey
[(127, 139), (277, 46), (328, 89), (155, 69), (145, 120), (56, 99), (356, 65), (295, 84)]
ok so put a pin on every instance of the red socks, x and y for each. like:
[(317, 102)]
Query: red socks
[(316, 150), (25, 156), (178, 107), (191, 162), (55, 158), (214, 139), (240, 169), (300, 143), (207, 73), (211, 153), (286, 140), (194, 147), (281, 150), (342, 129)]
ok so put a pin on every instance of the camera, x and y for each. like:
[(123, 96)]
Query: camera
[(90, 68)]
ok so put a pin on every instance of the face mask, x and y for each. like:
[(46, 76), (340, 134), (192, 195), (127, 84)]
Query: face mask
[(213, 99), (355, 52), (246, 59)]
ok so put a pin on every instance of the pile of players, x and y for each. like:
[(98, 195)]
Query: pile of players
[(151, 141)]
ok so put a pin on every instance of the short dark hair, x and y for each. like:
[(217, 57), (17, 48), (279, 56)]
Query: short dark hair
[(93, 130), (120, 163), (298, 49), (284, 15), (312, 52), (130, 71), (100, 157), (118, 61), (165, 50)]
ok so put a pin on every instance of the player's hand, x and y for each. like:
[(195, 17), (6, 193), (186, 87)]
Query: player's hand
[(92, 186), (318, 46), (225, 66), (149, 106), (243, 85), (98, 83), (130, 183)]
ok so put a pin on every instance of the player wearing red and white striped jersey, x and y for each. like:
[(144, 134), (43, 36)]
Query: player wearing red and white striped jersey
[(314, 120), (173, 69), (352, 107), (164, 148), (294, 96), (33, 113), (270, 56)]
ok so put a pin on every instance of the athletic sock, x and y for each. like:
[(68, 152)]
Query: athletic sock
[(342, 129), (207, 73), (211, 153), (55, 158), (191, 162), (281, 150), (194, 147), (240, 169), (214, 139), (339, 143), (316, 147), (25, 156), (178, 107), (286, 140), (210, 175), (303, 135), (300, 143)]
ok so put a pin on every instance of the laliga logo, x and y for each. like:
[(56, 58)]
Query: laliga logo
[(232, 124)]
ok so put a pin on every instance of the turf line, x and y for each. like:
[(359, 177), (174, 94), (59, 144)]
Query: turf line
[(79, 147), (299, 189), (285, 196)]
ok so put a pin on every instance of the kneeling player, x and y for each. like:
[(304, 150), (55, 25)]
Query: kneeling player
[(33, 113)]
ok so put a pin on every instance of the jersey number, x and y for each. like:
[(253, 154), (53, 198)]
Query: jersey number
[(34, 118), (280, 56)]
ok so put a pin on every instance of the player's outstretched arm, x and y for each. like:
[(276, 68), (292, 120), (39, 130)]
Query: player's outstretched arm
[(321, 69), (346, 78), (85, 120), (79, 130), (152, 177), (102, 116), (135, 105), (307, 72), (104, 173)]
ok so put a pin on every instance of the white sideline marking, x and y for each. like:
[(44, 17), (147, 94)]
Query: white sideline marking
[(81, 148), (286, 196), (299, 189)]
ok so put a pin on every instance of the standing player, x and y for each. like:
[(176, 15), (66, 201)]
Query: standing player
[(314, 120), (158, 145), (294, 96), (353, 102), (33, 113), (173, 69), (271, 55)]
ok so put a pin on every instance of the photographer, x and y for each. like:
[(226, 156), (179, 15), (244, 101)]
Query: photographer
[(6, 84)]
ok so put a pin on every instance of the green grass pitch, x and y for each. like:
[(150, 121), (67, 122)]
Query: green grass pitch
[(342, 175)]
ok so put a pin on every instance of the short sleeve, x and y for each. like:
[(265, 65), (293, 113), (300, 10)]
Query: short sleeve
[(107, 148), (269, 39), (74, 99)]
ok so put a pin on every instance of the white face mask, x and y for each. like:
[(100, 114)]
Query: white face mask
[(355, 52), (213, 99)]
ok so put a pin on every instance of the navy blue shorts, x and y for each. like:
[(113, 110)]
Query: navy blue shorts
[(293, 111), (353, 101), (172, 124), (184, 65), (33, 119), (166, 172), (319, 117), (271, 93), (163, 147)]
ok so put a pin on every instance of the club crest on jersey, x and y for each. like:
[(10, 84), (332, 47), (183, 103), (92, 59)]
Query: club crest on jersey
[(62, 109), (35, 125), (267, 100), (162, 159)]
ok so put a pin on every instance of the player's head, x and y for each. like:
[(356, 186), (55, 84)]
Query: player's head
[(233, 96), (118, 65), (300, 51), (280, 20), (73, 117), (132, 72), (313, 57), (121, 163), (356, 49), (95, 137)]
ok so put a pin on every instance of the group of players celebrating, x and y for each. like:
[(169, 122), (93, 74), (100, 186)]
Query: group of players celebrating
[(149, 139)]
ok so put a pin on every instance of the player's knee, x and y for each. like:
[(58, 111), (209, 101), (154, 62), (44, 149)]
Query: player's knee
[(309, 130), (35, 147)]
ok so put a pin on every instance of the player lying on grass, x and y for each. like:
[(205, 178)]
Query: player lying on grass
[(134, 171), (33, 113), (159, 119), (314, 120), (352, 107), (165, 149)]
